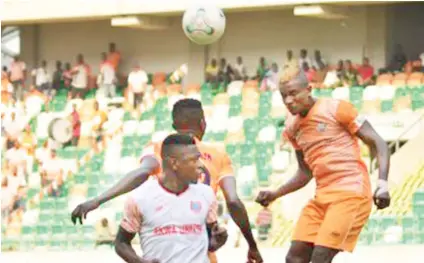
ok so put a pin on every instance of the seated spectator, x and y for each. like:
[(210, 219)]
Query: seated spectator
[(318, 60), (104, 233), (7, 198), (350, 74), (52, 171), (67, 75), (13, 129), (304, 58), (106, 80), (272, 79), (42, 79), (43, 153), (28, 140), (262, 69), (225, 72), (366, 73), (137, 86), (309, 72), (80, 78), (321, 73), (240, 70), (57, 77), (15, 180), (398, 60), (332, 78), (18, 205), (211, 72)]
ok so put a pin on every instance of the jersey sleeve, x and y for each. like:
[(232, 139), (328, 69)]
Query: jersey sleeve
[(348, 117), (226, 167), (132, 218), (212, 216)]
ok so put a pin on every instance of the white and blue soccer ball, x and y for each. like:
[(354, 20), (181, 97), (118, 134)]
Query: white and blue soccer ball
[(204, 24)]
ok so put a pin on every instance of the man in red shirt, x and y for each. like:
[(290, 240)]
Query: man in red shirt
[(76, 125), (366, 72)]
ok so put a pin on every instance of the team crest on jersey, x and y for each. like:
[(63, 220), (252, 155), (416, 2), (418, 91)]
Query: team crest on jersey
[(321, 127), (196, 206)]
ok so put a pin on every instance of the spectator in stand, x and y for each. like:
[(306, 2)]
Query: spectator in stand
[(99, 118), (114, 56), (137, 85), (264, 223), (225, 72), (291, 64), (41, 79), (15, 179), (57, 77), (106, 79), (80, 78), (76, 125), (399, 59), (67, 75), (304, 58), (7, 198), (43, 153), (52, 171), (350, 74), (240, 70), (321, 73), (309, 72), (13, 129), (16, 158), (262, 69), (318, 60), (334, 76), (19, 200), (211, 73), (28, 140), (272, 78), (18, 77), (6, 87), (366, 73), (104, 233)]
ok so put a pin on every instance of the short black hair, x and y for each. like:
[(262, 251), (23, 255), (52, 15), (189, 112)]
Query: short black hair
[(187, 112), (175, 140)]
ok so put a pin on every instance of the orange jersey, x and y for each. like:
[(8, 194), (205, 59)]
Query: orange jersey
[(217, 163), (326, 136)]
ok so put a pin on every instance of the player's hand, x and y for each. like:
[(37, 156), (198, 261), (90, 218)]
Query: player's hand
[(218, 238), (82, 210), (381, 195), (264, 198), (254, 256)]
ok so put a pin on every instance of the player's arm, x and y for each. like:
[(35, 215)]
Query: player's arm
[(217, 235), (149, 165)]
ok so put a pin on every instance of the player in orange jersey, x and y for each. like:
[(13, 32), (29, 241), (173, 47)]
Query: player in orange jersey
[(324, 134), (188, 118)]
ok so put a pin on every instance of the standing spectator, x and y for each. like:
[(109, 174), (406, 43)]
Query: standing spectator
[(6, 87), (309, 72), (99, 118), (17, 77), (80, 78), (399, 59), (350, 75), (41, 79), (264, 223), (291, 64), (106, 79), (137, 84), (240, 70), (366, 72), (13, 129), (304, 58), (57, 77), (15, 179), (16, 158), (28, 140), (211, 72), (67, 75), (262, 69), (7, 197), (51, 171), (43, 153), (104, 233), (76, 125), (318, 60), (114, 56)]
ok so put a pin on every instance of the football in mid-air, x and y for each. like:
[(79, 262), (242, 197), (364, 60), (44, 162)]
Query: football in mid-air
[(204, 24)]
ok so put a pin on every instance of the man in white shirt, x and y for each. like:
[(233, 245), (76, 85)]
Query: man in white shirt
[(42, 79), (80, 75), (172, 214), (107, 78), (52, 170), (13, 129), (137, 84), (240, 71), (304, 58), (16, 157)]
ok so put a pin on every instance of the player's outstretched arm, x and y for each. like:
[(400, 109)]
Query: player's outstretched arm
[(377, 145), (302, 177), (124, 249), (128, 183), (239, 215)]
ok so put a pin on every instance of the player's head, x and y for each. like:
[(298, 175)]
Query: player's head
[(188, 117), (181, 156), (296, 93)]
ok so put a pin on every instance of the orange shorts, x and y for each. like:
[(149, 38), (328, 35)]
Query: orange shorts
[(212, 257), (335, 225)]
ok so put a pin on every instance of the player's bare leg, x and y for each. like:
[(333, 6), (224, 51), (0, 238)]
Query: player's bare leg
[(300, 252), (322, 254)]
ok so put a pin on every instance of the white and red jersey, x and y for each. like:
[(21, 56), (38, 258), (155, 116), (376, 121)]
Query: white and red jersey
[(172, 227)]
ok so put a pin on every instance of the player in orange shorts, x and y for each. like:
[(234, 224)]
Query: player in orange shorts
[(324, 134), (188, 118)]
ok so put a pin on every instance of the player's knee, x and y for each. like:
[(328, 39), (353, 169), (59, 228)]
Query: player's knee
[(323, 255), (292, 258)]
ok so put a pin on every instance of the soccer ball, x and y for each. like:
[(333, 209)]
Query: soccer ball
[(203, 24)]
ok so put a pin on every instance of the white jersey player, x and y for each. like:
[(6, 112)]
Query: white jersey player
[(171, 214)]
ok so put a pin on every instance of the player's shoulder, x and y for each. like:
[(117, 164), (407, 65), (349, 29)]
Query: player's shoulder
[(203, 190), (214, 149), (146, 190)]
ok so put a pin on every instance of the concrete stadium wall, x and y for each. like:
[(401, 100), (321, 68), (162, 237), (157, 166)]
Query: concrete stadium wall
[(250, 34), (372, 254)]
